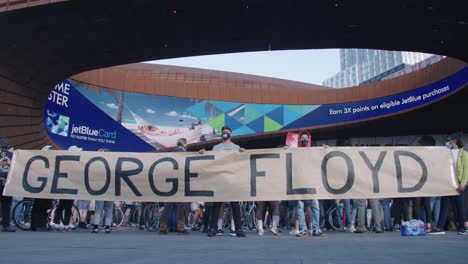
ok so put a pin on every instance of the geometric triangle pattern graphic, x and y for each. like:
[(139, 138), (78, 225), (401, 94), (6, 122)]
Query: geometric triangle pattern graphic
[(217, 123), (251, 114), (225, 106), (257, 125), (277, 115), (264, 108), (310, 108), (211, 111), (271, 125), (238, 113), (243, 130), (290, 116), (197, 110), (231, 122), (297, 108)]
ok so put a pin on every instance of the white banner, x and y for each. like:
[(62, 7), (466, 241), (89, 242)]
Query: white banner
[(254, 175)]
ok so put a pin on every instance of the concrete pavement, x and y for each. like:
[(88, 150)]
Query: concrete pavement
[(130, 245)]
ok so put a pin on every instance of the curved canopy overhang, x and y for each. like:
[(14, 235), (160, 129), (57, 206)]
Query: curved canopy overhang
[(234, 87)]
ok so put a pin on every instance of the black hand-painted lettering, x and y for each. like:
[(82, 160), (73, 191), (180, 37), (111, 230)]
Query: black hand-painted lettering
[(289, 180), (58, 175), (174, 181), (124, 175), (104, 188), (188, 175), (399, 171), (43, 180), (350, 178), (374, 169), (253, 170)]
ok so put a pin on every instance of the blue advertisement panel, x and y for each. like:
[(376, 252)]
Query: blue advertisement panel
[(72, 120), (94, 117), (345, 112)]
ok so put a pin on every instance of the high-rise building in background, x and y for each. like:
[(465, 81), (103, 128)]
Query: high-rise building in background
[(361, 66)]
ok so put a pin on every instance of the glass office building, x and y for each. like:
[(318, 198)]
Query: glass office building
[(360, 65)]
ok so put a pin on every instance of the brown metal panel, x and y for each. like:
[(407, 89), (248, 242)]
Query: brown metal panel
[(214, 92), (256, 93), (148, 85), (139, 83), (129, 82), (234, 86)]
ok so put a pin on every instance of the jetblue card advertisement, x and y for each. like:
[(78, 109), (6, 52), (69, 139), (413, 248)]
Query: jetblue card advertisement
[(93, 117), (71, 119)]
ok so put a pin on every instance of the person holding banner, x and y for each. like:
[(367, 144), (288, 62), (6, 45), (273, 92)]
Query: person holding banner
[(5, 161), (424, 202), (226, 134), (181, 147), (274, 206), (39, 216), (308, 222), (103, 206), (456, 146), (376, 209), (65, 207)]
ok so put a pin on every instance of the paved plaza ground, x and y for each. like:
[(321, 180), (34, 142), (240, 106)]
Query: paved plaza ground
[(130, 245)]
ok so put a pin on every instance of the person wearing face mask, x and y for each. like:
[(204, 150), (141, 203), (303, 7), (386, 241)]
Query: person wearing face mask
[(181, 147), (225, 145), (308, 222), (460, 157)]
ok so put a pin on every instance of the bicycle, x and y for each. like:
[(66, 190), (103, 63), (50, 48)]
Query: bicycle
[(134, 217), (248, 212), (199, 223), (74, 218), (249, 215), (118, 216), (329, 217), (289, 220), (22, 213), (151, 216)]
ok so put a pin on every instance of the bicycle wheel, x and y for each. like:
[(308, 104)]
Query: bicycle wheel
[(151, 216), (331, 220), (227, 216), (74, 218), (22, 214), (118, 216), (322, 222), (251, 218), (134, 217)]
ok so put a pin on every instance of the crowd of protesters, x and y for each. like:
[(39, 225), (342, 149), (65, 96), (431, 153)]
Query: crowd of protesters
[(352, 215)]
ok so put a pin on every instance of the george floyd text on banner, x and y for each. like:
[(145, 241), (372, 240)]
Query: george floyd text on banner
[(253, 175)]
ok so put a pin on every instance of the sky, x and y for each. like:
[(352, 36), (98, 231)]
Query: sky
[(309, 66)]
